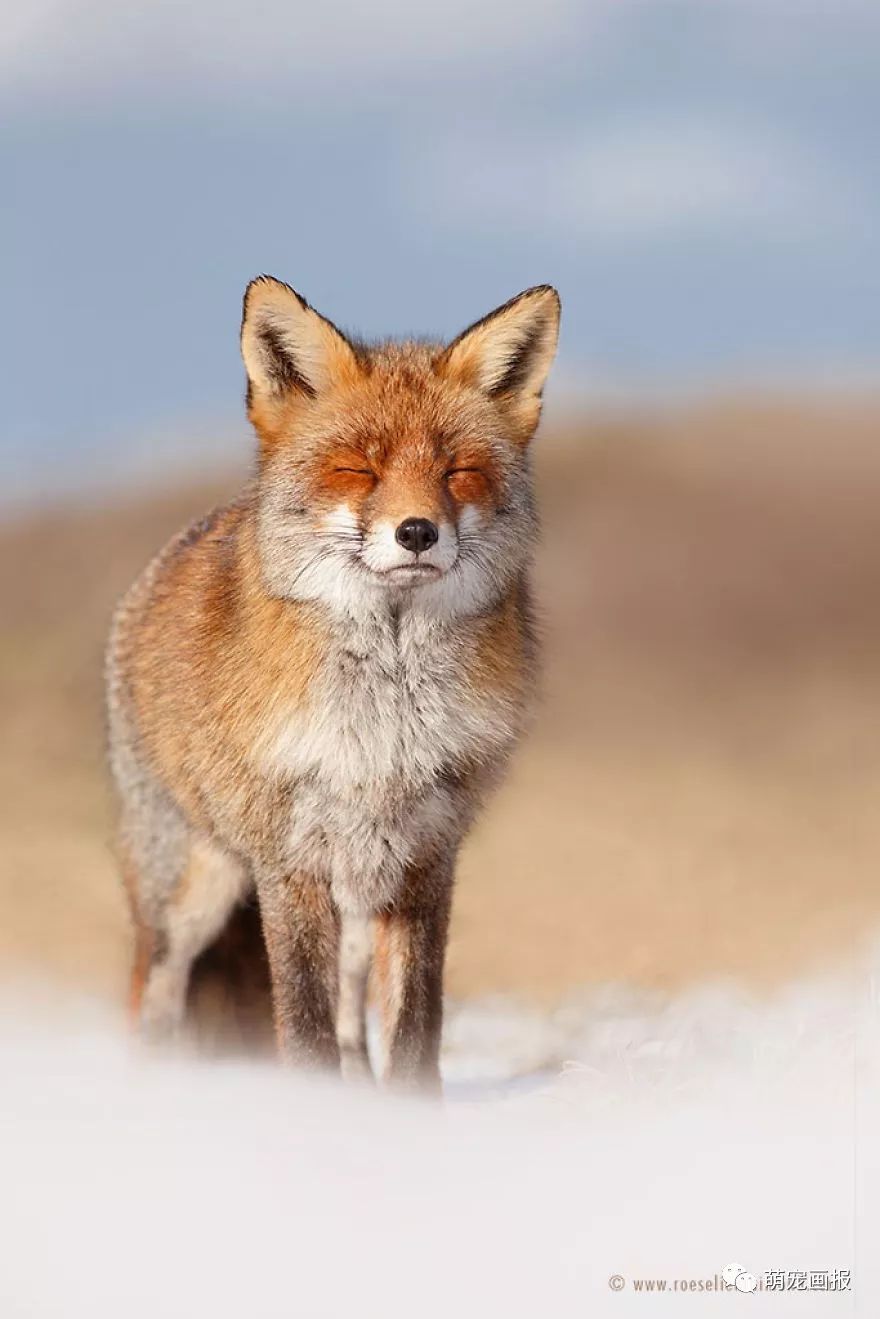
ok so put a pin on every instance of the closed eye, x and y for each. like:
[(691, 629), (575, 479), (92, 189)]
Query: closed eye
[(356, 471), (467, 485)]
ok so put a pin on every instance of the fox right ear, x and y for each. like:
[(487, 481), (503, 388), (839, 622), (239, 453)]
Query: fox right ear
[(509, 351), (507, 354), (288, 348)]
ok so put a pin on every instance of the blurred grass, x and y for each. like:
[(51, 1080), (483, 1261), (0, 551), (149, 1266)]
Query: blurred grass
[(700, 794)]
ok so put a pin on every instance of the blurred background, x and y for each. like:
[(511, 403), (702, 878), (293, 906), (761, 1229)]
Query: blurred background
[(700, 180)]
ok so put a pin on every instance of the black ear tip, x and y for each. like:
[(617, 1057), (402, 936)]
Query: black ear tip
[(260, 281), (544, 291), (270, 282)]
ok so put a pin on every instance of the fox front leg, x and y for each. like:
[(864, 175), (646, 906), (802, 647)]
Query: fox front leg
[(410, 951), (301, 930), (355, 953)]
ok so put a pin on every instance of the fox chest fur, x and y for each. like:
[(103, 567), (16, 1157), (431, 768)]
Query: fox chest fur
[(387, 754)]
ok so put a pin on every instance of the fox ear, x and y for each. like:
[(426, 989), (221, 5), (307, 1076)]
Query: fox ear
[(508, 354), (288, 348)]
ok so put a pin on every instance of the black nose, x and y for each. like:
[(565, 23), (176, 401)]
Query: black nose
[(417, 535)]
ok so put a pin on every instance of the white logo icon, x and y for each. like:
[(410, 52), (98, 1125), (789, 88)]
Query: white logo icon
[(736, 1276)]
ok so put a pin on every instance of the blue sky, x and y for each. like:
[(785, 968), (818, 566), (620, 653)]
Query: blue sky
[(700, 178)]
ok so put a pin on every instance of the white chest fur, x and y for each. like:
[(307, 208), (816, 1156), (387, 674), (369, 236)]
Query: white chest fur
[(391, 712)]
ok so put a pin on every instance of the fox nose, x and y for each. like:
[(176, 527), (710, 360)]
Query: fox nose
[(417, 535)]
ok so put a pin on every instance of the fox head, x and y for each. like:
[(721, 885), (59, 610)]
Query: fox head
[(396, 473)]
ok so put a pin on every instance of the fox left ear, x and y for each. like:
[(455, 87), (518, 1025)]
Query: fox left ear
[(289, 349), (508, 354)]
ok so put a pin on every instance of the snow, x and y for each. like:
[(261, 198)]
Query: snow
[(620, 1133)]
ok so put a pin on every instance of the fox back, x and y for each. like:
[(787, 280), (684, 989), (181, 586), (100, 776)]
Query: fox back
[(320, 681)]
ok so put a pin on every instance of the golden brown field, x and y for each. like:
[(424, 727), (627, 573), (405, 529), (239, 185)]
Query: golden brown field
[(700, 795)]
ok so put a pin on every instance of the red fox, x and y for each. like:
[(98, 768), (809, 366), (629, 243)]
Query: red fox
[(311, 691)]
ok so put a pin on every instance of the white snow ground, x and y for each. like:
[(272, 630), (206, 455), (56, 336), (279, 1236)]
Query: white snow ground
[(622, 1134)]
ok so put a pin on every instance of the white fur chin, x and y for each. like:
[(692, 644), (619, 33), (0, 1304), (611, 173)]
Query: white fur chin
[(411, 575)]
